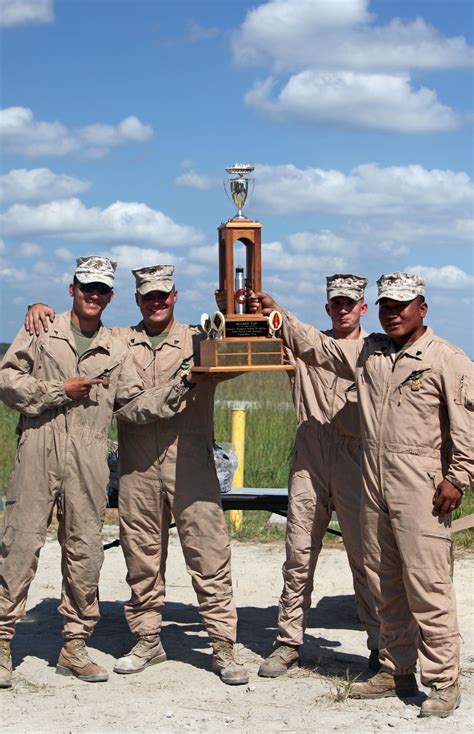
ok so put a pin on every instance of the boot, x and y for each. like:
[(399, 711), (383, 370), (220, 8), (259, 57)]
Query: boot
[(5, 664), (281, 659), (225, 664), (74, 660), (442, 702), (383, 685), (147, 651), (374, 662)]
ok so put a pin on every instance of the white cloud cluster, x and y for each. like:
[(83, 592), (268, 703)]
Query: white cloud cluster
[(25, 12), (39, 184), (343, 68), (295, 33), (368, 189), (21, 133), (448, 277), (130, 257), (30, 250), (193, 180), (372, 101), (70, 219)]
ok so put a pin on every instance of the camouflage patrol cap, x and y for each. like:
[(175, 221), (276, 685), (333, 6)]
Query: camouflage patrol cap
[(154, 278), (95, 269), (345, 284), (400, 286)]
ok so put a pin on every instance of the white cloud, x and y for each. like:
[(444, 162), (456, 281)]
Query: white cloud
[(372, 101), (332, 63), (131, 258), (291, 34), (206, 254), (447, 277), (122, 221), (13, 275), (194, 180), (21, 133), (322, 241), (368, 189), (63, 254), (24, 12), (278, 257), (30, 250), (39, 184)]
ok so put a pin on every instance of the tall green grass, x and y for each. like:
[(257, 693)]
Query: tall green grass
[(269, 428), (8, 421), (270, 431)]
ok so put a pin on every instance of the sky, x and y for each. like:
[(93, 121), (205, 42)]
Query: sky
[(119, 117)]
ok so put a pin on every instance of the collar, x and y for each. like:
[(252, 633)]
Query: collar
[(61, 329), (384, 345), (174, 338)]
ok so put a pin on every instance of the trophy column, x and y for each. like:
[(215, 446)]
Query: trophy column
[(250, 234)]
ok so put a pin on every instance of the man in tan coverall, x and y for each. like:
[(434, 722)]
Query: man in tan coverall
[(65, 384), (416, 408), (325, 471), (167, 471)]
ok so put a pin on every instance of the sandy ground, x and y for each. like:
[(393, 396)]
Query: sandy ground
[(183, 694)]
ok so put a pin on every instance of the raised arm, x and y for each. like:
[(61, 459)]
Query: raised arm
[(308, 343)]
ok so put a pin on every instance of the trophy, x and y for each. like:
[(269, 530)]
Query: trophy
[(238, 341), (239, 186)]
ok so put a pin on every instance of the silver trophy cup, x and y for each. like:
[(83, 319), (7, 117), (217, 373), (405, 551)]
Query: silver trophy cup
[(238, 186)]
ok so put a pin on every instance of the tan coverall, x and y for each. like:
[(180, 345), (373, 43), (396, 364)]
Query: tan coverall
[(417, 426), (61, 459), (167, 468), (325, 471)]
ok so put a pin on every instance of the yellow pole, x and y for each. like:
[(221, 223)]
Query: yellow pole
[(236, 517)]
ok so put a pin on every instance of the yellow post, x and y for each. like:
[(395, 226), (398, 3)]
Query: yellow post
[(236, 517)]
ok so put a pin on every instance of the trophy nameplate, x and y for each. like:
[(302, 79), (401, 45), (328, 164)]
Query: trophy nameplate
[(238, 341)]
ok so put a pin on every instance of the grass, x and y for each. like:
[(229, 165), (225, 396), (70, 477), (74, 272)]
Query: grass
[(8, 421), (270, 430)]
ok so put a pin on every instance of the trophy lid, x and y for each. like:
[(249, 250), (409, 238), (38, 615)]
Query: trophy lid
[(240, 169)]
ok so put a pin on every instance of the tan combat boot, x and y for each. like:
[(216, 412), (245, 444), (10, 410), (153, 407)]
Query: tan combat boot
[(281, 659), (74, 660), (383, 685), (442, 702), (225, 664), (147, 651), (5, 664)]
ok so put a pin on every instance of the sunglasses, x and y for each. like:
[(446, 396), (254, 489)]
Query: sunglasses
[(101, 288)]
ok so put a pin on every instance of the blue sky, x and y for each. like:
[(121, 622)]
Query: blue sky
[(119, 117)]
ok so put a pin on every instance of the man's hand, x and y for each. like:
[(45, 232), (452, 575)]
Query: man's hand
[(446, 498), (78, 388), (36, 319), (261, 303)]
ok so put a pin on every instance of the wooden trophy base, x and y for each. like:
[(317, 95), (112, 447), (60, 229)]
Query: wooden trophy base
[(246, 347)]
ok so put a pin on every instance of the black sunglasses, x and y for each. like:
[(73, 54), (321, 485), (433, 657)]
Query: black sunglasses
[(100, 288)]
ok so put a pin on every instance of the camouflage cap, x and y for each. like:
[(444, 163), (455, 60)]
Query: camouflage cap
[(400, 286), (95, 269), (154, 278), (345, 284)]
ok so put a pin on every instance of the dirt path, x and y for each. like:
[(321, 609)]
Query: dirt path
[(183, 694)]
